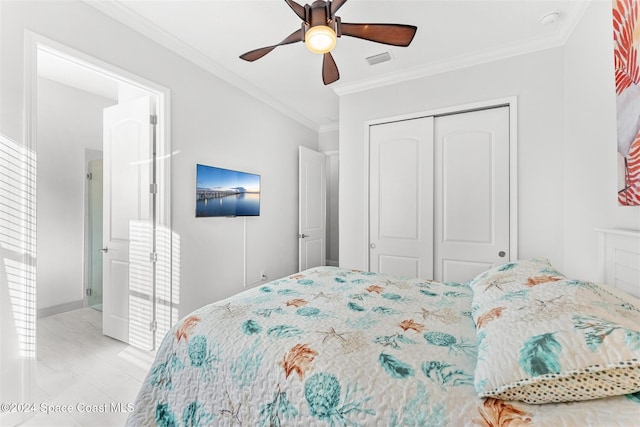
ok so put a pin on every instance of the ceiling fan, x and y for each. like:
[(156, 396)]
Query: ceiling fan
[(320, 28)]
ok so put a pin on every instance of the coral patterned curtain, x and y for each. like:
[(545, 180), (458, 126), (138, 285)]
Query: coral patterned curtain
[(626, 36)]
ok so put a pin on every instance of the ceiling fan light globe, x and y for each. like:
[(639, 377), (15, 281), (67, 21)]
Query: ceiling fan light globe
[(320, 39)]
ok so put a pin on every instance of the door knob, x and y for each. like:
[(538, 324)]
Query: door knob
[(104, 250), (302, 236), (502, 254), (372, 246)]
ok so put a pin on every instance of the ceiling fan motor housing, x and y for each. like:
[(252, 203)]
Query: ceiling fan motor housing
[(319, 13), (319, 27)]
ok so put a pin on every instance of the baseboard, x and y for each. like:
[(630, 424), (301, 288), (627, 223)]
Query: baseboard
[(60, 308), (332, 263)]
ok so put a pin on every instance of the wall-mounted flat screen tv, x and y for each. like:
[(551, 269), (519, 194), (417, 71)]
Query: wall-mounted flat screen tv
[(224, 192)]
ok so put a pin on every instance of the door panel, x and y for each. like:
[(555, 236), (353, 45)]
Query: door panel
[(312, 209), (462, 271), (399, 266), (127, 204), (118, 302), (468, 154), (312, 251), (128, 174), (400, 198), (471, 193), (399, 189)]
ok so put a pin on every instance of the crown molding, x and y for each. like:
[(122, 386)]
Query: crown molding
[(574, 13), (129, 18), (329, 127)]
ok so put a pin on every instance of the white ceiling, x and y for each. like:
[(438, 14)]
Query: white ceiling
[(451, 34)]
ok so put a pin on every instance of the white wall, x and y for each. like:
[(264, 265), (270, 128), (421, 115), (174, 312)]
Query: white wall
[(212, 123), (69, 122), (17, 263), (590, 177), (535, 79), (329, 140)]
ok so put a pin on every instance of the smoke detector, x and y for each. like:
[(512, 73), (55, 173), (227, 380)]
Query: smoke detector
[(550, 18)]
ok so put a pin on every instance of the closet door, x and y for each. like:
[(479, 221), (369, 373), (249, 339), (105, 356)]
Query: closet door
[(471, 228), (401, 198)]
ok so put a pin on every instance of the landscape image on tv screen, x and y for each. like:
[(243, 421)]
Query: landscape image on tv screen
[(224, 192)]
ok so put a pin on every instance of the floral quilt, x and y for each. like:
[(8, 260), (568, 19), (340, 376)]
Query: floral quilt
[(337, 347)]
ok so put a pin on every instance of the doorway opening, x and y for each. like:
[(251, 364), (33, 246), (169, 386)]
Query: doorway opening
[(65, 75)]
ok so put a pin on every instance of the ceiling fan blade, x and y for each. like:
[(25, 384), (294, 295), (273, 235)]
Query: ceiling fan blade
[(393, 34), (298, 9), (329, 69), (296, 36), (335, 5)]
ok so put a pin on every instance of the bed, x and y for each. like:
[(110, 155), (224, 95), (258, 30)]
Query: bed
[(518, 345)]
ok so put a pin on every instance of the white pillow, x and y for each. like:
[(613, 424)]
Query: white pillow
[(543, 337)]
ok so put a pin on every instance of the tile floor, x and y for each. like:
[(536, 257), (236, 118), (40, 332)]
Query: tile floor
[(79, 366)]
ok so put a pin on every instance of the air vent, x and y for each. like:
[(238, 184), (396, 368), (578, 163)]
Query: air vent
[(381, 57)]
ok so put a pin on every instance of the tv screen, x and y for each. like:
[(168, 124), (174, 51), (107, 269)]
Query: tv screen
[(224, 192)]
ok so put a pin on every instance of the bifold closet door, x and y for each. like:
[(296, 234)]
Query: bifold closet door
[(401, 198), (471, 216), (439, 195)]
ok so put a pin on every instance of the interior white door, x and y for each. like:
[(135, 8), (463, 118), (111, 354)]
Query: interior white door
[(312, 209), (471, 193), (401, 198), (127, 222)]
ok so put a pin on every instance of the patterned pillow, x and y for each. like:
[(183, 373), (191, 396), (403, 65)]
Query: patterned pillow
[(517, 275), (543, 337)]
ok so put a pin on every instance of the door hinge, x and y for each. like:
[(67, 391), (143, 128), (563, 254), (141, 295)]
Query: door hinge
[(153, 119), (153, 257), (88, 292), (153, 326), (153, 188)]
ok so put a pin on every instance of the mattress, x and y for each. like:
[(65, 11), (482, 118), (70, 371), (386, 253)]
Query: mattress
[(337, 347)]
